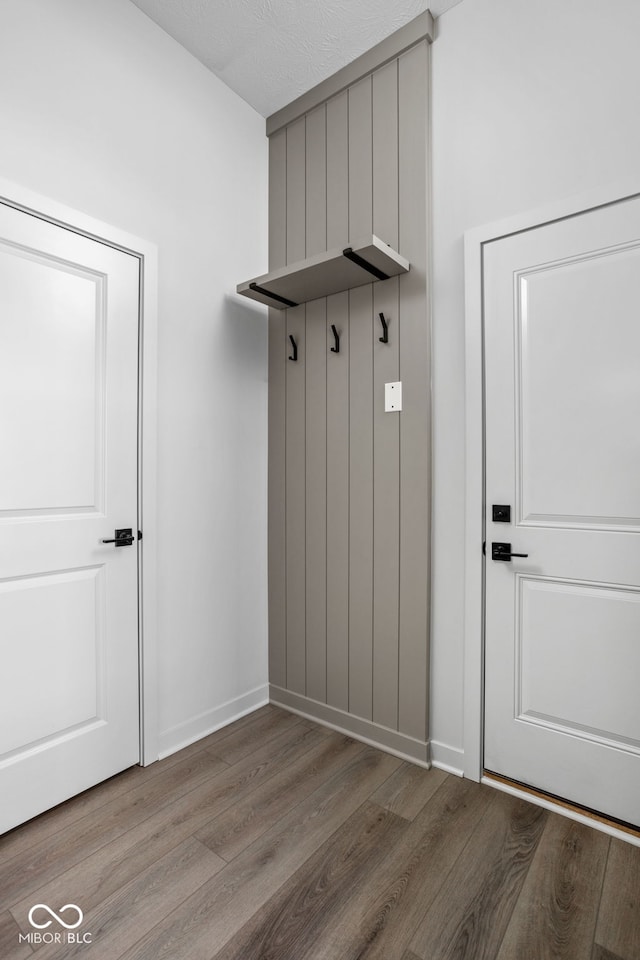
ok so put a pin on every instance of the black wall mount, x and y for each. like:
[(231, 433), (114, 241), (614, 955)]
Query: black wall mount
[(356, 258), (274, 296)]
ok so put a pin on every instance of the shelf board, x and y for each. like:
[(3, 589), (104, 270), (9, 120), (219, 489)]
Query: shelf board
[(325, 273)]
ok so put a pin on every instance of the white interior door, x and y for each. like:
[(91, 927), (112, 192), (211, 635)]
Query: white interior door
[(68, 479), (562, 381)]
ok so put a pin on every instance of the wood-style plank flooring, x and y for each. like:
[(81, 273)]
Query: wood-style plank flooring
[(276, 839)]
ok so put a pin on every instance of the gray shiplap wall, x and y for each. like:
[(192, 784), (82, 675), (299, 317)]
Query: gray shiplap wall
[(349, 486)]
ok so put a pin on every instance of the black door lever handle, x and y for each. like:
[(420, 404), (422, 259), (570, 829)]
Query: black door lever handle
[(123, 537), (502, 551)]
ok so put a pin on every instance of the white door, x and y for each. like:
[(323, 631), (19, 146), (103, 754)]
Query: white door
[(68, 479), (562, 381)]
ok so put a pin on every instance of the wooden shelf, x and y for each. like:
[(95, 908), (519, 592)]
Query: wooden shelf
[(325, 273)]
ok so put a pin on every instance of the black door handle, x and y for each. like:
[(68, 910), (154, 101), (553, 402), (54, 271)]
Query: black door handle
[(502, 551), (123, 537)]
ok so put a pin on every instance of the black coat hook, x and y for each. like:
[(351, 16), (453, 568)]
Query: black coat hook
[(385, 330), (294, 345), (336, 337)]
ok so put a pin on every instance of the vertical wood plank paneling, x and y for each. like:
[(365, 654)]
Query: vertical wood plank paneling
[(415, 435), (386, 426), (385, 153), (360, 413), (316, 417), (296, 503), (386, 513), (338, 414), (360, 161), (316, 181), (296, 419), (338, 171), (296, 191), (278, 201), (277, 421), (338, 501), (360, 502), (349, 561), (316, 501)]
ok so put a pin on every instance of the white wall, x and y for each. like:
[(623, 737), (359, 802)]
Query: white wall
[(102, 111), (533, 101)]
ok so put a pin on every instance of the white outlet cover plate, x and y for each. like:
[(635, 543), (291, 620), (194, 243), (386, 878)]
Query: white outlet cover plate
[(393, 397)]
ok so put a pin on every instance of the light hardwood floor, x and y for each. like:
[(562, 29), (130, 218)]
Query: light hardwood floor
[(275, 839)]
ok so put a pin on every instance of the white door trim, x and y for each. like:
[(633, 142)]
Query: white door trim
[(474, 444), (24, 199)]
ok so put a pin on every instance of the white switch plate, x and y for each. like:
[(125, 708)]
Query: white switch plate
[(393, 397)]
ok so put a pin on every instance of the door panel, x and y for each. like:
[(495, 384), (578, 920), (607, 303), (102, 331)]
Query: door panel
[(67, 606), (579, 397), (562, 394), (550, 615), (68, 435), (52, 375)]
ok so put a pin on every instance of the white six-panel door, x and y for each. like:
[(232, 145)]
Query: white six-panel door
[(562, 381), (68, 479)]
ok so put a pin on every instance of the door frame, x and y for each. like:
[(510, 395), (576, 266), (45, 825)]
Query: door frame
[(474, 565), (21, 198)]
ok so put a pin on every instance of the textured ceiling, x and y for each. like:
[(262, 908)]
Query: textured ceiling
[(272, 51)]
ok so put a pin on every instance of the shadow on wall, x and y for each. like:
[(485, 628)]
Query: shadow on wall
[(245, 335)]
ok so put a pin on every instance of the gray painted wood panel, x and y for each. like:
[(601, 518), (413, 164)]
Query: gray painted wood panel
[(385, 153), (357, 479), (415, 437), (277, 498), (360, 415), (277, 415), (338, 414), (278, 200), (316, 416), (316, 181), (386, 426), (296, 518), (360, 161), (338, 171), (386, 511), (316, 500), (296, 191), (296, 515), (361, 502), (338, 504)]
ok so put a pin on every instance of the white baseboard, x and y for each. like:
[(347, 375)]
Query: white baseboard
[(391, 741), (450, 759), (182, 735)]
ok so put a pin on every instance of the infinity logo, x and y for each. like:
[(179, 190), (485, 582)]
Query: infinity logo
[(56, 916)]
